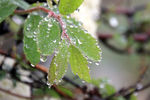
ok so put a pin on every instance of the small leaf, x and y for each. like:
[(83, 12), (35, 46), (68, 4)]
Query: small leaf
[(133, 97), (30, 46), (48, 35), (84, 41), (6, 9), (79, 64), (21, 3), (66, 91), (69, 6), (109, 89), (59, 64)]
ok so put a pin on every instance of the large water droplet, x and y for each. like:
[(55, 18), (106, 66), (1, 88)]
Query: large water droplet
[(43, 58), (54, 41), (49, 25), (32, 65), (83, 81), (71, 26), (102, 86), (79, 41), (97, 64)]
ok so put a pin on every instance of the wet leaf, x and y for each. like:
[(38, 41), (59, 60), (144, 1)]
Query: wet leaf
[(30, 46), (69, 6), (79, 64), (83, 40), (6, 9), (59, 64), (48, 35)]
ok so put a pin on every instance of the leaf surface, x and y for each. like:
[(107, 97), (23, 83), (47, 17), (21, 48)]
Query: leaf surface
[(30, 46), (48, 35), (79, 64), (6, 9), (83, 40), (59, 64), (69, 6)]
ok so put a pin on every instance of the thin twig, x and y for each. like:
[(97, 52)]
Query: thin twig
[(14, 94)]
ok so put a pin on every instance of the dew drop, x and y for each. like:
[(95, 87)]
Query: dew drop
[(83, 81), (71, 26), (54, 41), (48, 83), (28, 28), (32, 65), (55, 73), (43, 58), (49, 25), (89, 62), (68, 16), (59, 81), (97, 64), (79, 41), (102, 86), (46, 19)]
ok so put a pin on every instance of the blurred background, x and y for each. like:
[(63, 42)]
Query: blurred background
[(122, 28)]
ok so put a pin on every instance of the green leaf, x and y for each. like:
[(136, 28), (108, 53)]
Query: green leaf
[(66, 91), (21, 3), (48, 35), (119, 98), (59, 64), (133, 97), (79, 64), (109, 89), (30, 46), (69, 6), (83, 41), (6, 9)]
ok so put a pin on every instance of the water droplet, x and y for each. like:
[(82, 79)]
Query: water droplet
[(79, 41), (55, 73), (59, 81), (64, 26), (28, 28), (54, 41), (49, 25), (46, 19), (32, 65), (71, 26), (34, 33), (48, 83), (68, 16), (102, 86), (43, 58), (89, 62), (97, 64), (83, 81)]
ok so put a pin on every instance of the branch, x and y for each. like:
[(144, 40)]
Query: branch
[(14, 94)]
